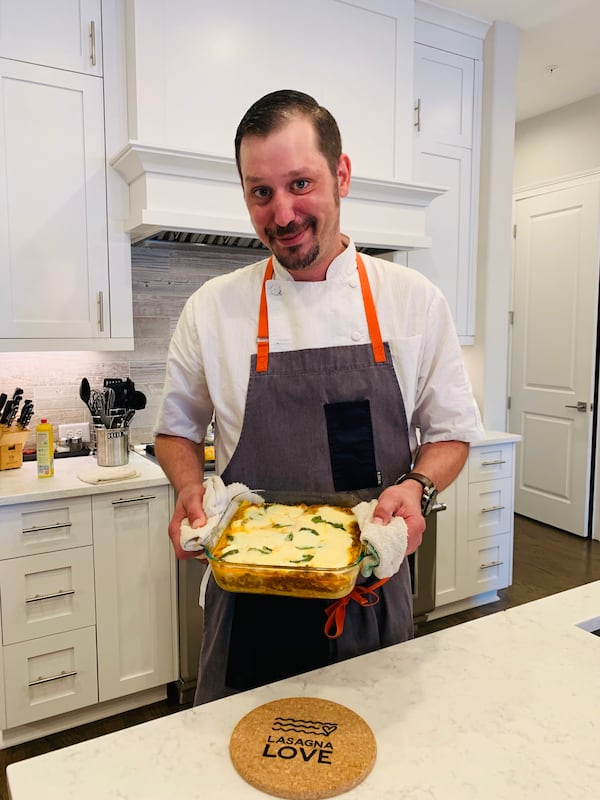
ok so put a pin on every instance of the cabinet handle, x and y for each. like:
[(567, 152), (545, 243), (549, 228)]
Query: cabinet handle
[(134, 499), (58, 677), (38, 528), (417, 122), (492, 508), (101, 311), (491, 564), (93, 43), (38, 597), (491, 463)]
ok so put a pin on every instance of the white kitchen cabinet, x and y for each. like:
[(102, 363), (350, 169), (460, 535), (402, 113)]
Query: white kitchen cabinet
[(475, 532), (66, 34), (447, 125), (49, 676), (134, 599), (66, 273), (87, 603)]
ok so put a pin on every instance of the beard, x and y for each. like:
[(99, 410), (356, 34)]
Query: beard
[(294, 258)]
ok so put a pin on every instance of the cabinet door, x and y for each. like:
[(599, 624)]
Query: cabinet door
[(444, 84), (446, 153), (53, 222), (449, 261), (62, 33), (46, 594), (49, 676), (135, 597)]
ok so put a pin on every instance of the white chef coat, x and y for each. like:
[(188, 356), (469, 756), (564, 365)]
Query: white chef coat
[(208, 363)]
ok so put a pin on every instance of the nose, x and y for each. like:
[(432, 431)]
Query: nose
[(283, 209)]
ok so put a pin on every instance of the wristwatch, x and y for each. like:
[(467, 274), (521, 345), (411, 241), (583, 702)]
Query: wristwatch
[(429, 491)]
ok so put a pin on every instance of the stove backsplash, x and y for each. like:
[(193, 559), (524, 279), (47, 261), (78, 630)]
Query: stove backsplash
[(163, 278)]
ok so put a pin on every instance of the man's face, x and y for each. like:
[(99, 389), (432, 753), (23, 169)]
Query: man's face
[(293, 199)]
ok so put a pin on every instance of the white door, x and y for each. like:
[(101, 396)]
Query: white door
[(553, 352)]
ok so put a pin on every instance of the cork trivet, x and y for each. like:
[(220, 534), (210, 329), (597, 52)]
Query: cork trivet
[(303, 748)]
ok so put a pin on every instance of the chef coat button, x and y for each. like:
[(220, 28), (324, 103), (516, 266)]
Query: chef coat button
[(274, 289), (355, 336), (353, 283)]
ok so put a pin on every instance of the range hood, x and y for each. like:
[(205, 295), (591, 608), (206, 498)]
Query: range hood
[(179, 196)]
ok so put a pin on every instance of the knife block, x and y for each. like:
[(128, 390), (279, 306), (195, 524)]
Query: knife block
[(11, 447)]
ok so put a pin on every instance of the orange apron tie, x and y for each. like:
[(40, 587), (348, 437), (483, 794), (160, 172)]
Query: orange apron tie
[(262, 339), (336, 611)]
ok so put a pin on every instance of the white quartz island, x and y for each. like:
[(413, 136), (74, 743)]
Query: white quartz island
[(502, 708)]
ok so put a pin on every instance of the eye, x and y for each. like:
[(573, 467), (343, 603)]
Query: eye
[(261, 192), (301, 184)]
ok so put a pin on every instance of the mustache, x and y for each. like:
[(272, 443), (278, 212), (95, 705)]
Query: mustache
[(291, 229)]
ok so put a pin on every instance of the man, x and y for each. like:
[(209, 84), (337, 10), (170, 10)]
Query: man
[(319, 366)]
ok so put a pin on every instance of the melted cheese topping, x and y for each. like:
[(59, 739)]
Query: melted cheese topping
[(286, 535)]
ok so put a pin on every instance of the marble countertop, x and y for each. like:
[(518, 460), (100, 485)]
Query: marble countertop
[(502, 708), (22, 485)]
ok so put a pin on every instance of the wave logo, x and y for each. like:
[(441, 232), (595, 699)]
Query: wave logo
[(308, 726)]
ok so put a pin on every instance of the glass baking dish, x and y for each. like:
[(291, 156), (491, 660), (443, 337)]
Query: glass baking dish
[(300, 580)]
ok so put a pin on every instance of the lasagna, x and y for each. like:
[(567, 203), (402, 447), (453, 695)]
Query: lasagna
[(304, 550)]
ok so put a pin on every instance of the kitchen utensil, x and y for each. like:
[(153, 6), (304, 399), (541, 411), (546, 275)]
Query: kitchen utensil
[(85, 393), (6, 412), (300, 580), (25, 415)]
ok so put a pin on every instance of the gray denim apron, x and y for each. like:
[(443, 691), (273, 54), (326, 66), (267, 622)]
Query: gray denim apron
[(319, 420)]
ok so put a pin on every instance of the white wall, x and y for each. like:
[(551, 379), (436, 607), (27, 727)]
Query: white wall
[(560, 143)]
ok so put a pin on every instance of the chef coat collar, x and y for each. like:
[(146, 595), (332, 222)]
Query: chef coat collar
[(341, 267)]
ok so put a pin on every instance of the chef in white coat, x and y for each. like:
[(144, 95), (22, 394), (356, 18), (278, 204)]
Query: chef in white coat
[(320, 366)]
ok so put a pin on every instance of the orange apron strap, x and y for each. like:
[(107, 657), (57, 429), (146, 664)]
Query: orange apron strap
[(336, 611), (371, 313), (262, 339)]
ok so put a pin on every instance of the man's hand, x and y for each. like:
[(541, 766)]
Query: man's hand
[(188, 506), (403, 501)]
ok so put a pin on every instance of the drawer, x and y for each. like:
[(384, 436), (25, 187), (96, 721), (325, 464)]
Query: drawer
[(46, 594), (44, 526), (490, 461), (490, 508), (489, 564), (49, 676)]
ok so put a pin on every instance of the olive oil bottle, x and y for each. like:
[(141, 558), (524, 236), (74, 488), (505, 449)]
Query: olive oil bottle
[(44, 445)]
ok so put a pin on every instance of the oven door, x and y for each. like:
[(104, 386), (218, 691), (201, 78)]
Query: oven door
[(423, 566)]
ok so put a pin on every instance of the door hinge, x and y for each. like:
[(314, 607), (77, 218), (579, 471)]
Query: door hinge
[(515, 231), (508, 403), (511, 317)]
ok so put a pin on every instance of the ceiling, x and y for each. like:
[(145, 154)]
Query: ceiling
[(560, 33)]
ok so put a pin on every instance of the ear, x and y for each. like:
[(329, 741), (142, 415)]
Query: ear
[(344, 170)]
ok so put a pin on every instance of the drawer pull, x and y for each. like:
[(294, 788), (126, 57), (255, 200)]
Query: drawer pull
[(38, 597), (37, 528), (491, 564), (134, 499), (492, 508), (58, 677), (495, 461)]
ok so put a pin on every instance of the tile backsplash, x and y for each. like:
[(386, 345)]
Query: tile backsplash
[(163, 278)]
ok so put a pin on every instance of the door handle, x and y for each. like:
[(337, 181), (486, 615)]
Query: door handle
[(581, 406)]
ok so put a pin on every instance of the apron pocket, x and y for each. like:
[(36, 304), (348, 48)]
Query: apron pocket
[(351, 448)]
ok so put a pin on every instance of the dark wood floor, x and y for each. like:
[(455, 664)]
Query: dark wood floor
[(546, 561)]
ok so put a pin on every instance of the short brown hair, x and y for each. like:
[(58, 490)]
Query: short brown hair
[(277, 108)]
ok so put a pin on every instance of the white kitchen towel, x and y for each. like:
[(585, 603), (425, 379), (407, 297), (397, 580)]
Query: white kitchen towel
[(220, 504), (389, 541), (107, 474)]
